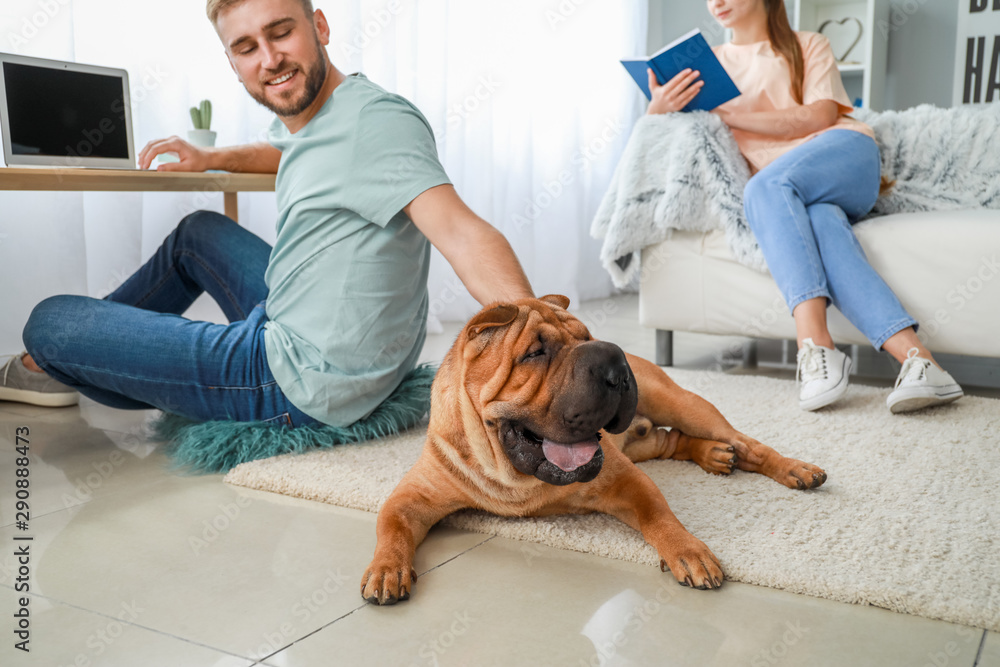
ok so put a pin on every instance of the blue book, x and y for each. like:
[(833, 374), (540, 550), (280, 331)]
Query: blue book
[(690, 50)]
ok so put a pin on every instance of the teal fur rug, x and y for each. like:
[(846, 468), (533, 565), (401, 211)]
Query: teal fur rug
[(218, 446)]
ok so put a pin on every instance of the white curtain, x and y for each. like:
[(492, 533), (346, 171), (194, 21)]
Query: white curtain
[(529, 104)]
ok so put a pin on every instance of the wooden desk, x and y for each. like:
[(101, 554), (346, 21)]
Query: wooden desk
[(122, 180)]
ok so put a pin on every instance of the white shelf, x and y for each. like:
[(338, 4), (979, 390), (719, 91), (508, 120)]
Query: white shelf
[(866, 79)]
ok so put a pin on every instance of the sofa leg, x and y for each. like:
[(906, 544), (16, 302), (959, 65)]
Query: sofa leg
[(750, 353), (664, 348)]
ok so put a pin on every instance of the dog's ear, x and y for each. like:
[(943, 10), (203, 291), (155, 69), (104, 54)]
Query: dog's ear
[(498, 315), (556, 300)]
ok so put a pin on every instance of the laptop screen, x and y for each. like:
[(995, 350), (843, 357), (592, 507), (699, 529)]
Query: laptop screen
[(56, 112)]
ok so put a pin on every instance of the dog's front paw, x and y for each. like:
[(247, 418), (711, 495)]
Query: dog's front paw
[(799, 475), (385, 583), (693, 564)]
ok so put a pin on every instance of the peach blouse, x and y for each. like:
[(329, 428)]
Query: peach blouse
[(765, 82)]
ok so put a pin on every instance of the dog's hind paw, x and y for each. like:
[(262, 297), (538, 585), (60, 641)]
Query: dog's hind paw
[(801, 476)]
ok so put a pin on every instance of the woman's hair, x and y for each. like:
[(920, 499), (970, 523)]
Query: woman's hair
[(784, 41)]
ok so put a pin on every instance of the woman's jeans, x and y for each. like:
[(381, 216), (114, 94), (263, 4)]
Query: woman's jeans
[(801, 208), (133, 350)]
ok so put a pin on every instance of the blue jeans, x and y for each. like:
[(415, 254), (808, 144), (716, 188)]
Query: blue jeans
[(801, 208), (133, 350)]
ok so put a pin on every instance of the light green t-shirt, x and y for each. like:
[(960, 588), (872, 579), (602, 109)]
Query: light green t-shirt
[(347, 279)]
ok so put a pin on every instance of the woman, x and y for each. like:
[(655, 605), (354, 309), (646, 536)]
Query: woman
[(815, 172)]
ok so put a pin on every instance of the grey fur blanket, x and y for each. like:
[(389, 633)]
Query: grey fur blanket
[(684, 171)]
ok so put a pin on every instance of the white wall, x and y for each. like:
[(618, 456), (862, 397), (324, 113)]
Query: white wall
[(921, 45), (921, 53)]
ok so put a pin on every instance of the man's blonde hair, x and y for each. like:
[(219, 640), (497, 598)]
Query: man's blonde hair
[(216, 7)]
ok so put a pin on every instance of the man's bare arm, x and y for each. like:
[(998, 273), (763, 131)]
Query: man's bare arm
[(260, 158), (480, 255)]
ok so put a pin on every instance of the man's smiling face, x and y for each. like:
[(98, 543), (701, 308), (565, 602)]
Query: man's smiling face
[(277, 51)]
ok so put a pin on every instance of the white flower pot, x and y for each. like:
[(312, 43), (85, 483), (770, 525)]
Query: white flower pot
[(202, 138)]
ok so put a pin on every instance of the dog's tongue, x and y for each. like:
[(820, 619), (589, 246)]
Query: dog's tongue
[(572, 456)]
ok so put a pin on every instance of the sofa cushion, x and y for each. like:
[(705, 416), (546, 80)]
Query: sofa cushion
[(943, 265)]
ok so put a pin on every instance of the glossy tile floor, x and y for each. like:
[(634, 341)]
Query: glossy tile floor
[(132, 564)]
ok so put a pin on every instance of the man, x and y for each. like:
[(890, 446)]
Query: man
[(323, 326)]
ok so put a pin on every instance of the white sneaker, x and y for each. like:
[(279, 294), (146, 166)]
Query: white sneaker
[(19, 384), (822, 374), (921, 384)]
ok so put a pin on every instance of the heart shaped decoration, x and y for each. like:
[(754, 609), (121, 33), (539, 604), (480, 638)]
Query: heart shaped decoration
[(857, 38)]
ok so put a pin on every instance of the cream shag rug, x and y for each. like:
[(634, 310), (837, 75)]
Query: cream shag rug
[(909, 519)]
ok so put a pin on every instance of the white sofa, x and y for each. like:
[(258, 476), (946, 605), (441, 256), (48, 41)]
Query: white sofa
[(943, 265)]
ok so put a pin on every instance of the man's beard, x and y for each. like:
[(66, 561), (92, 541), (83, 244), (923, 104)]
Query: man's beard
[(315, 76)]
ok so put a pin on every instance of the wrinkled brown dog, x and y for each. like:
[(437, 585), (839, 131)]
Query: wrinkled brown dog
[(531, 416)]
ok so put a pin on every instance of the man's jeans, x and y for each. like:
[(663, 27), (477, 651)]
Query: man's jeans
[(133, 350), (801, 208)]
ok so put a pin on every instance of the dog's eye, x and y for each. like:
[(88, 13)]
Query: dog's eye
[(537, 352)]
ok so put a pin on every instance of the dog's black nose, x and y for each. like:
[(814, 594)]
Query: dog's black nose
[(616, 374), (606, 363), (600, 393)]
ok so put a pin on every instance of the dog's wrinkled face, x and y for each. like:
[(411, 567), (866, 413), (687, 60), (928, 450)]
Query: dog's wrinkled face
[(545, 389)]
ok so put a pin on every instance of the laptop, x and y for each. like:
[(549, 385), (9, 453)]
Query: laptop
[(62, 114)]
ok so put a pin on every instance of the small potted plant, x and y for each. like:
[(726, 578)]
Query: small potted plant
[(201, 116)]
